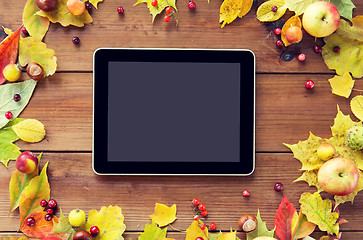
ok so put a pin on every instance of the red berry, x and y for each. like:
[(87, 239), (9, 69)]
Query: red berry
[(279, 43), (201, 207), (274, 8), (50, 210), (196, 218), (301, 57), (169, 10), (17, 97), (94, 230), (212, 226), (43, 203), (52, 203), (26, 33), (30, 221), (196, 201), (167, 18), (277, 31), (120, 10), (202, 226), (317, 49), (309, 85), (245, 193), (204, 213), (199, 238), (154, 3), (278, 187), (88, 6), (48, 217), (336, 49), (191, 5), (9, 115), (76, 40)]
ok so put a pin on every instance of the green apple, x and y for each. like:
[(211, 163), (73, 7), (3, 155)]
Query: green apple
[(321, 19), (325, 151), (77, 217), (338, 176)]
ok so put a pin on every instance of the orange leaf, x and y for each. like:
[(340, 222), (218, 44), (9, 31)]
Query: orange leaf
[(41, 228), (283, 219), (294, 21), (9, 51)]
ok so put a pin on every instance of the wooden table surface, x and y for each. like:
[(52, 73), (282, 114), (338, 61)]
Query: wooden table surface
[(285, 112)]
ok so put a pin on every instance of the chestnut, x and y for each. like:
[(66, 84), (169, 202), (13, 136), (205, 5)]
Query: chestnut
[(82, 235), (248, 223), (35, 71), (47, 5)]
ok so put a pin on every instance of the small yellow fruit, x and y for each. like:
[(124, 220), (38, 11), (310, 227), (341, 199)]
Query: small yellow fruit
[(325, 151), (77, 217), (12, 72)]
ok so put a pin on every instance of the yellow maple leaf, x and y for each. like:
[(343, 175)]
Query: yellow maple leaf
[(194, 231), (29, 130), (155, 10), (64, 17), (95, 2), (356, 105), (265, 14), (32, 50), (163, 214), (298, 6), (231, 9), (228, 236), (294, 21), (342, 85)]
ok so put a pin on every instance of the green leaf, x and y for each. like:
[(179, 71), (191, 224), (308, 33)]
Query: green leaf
[(319, 211), (95, 2), (7, 103), (64, 17), (152, 232), (32, 50), (345, 8), (8, 150), (162, 4), (261, 229), (298, 6), (36, 25), (18, 182), (63, 225), (31, 196)]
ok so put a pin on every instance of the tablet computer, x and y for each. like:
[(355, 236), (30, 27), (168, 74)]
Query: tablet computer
[(174, 112)]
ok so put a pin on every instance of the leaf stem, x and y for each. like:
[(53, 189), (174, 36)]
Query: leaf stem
[(357, 90), (177, 229)]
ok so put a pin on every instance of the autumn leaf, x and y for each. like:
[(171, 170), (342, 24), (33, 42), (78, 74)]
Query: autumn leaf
[(41, 229), (37, 189), (319, 211), (350, 40), (63, 225), (36, 25), (228, 236), (159, 7), (31, 50), (265, 14), (152, 232), (214, 236), (342, 85), (109, 220), (95, 2), (194, 231), (298, 6), (294, 21), (8, 150), (62, 16), (356, 105), (18, 182), (14, 238), (261, 229), (231, 9), (8, 52), (30, 130), (283, 219), (302, 228), (25, 89), (345, 8), (163, 214)]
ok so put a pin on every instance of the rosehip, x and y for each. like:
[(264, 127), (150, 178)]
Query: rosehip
[(167, 18), (212, 226), (202, 226), (204, 213), (168, 10), (154, 3), (201, 207), (196, 201), (196, 218)]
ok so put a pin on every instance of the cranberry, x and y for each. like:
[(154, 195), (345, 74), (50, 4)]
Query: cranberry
[(167, 18), (30, 221), (94, 230), (317, 49), (26, 33), (52, 203), (17, 97), (278, 187), (120, 10), (279, 43), (204, 213), (43, 203), (336, 49), (88, 6), (212, 226), (191, 5), (48, 217), (309, 85), (50, 210), (202, 226), (201, 207), (196, 201), (274, 8), (9, 115), (277, 31), (301, 57), (245, 193), (76, 40)]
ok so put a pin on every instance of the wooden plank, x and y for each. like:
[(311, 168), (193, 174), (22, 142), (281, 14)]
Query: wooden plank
[(74, 185), (196, 29), (285, 111)]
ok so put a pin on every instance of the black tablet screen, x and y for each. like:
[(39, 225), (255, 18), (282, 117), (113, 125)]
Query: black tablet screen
[(173, 112)]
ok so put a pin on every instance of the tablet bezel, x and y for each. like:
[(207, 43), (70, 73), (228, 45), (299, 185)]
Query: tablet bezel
[(103, 56)]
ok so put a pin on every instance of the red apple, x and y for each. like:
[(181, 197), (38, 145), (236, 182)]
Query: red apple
[(26, 162), (321, 19), (325, 151), (338, 176), (294, 34)]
